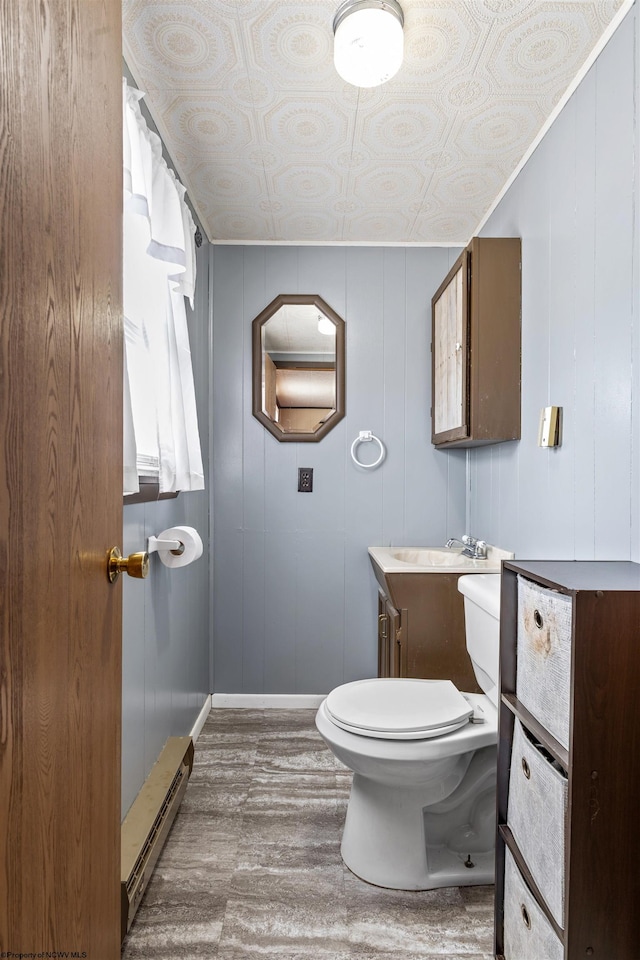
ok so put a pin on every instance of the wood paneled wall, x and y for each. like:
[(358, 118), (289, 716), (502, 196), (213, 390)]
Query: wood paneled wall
[(575, 205), (294, 596)]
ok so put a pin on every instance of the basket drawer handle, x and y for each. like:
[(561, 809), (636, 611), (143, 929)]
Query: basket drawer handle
[(525, 916), (526, 769), (538, 619)]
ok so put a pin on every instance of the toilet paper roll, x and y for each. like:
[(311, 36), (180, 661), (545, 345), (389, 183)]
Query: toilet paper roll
[(189, 537)]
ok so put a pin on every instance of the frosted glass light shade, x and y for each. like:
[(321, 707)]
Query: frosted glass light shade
[(369, 42)]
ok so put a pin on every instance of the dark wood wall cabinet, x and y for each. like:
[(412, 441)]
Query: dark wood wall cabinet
[(568, 847), (475, 347)]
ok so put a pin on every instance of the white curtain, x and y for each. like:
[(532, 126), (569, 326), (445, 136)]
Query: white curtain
[(160, 422)]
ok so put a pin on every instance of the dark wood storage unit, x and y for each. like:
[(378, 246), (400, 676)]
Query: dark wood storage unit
[(421, 628), (475, 347), (568, 846)]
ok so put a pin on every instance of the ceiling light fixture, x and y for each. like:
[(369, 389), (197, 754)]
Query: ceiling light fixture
[(368, 41)]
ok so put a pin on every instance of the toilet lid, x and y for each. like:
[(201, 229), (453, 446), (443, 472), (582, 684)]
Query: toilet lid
[(398, 709)]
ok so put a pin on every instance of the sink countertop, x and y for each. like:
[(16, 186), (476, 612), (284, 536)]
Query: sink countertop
[(436, 560)]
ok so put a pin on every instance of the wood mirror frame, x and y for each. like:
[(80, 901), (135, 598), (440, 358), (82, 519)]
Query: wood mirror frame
[(328, 418)]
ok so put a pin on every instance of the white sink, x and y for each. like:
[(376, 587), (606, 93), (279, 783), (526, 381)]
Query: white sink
[(428, 557), (434, 559)]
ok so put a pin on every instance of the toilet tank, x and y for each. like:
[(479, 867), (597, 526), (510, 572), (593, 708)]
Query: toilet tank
[(481, 593)]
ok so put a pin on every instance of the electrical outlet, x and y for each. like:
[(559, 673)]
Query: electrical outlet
[(305, 479)]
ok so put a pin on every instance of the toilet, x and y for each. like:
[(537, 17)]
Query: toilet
[(421, 812)]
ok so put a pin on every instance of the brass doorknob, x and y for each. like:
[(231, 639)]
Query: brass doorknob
[(136, 565)]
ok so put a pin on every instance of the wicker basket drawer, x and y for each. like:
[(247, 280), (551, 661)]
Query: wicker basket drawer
[(536, 815), (528, 935), (544, 656)]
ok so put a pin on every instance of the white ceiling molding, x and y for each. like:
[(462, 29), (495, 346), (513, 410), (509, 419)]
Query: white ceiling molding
[(273, 147)]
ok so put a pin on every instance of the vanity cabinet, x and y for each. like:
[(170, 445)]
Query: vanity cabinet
[(568, 843), (475, 347), (421, 629)]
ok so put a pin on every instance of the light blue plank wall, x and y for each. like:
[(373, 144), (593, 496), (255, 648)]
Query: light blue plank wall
[(635, 354), (295, 603), (166, 625), (575, 207)]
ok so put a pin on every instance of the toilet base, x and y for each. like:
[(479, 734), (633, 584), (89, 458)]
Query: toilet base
[(398, 838)]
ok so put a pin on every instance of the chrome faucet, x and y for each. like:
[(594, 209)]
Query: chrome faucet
[(475, 549)]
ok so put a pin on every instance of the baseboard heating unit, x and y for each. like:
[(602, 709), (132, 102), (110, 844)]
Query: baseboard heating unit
[(147, 824)]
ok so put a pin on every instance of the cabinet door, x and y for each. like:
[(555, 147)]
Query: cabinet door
[(450, 406), (383, 637), (389, 638)]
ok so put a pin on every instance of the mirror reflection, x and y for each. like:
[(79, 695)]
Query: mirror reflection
[(298, 368)]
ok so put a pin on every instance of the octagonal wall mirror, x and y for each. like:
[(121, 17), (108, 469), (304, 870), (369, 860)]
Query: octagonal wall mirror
[(298, 368)]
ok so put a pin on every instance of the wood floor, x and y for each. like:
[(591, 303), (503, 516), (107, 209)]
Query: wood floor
[(252, 866)]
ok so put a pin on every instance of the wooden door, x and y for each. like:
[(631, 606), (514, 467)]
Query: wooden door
[(60, 476)]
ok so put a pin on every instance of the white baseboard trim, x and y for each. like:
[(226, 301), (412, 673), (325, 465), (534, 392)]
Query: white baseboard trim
[(261, 701), (202, 716)]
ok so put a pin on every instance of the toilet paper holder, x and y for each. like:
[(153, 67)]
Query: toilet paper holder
[(176, 546), (155, 544)]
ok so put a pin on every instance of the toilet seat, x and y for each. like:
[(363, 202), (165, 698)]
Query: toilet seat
[(398, 709)]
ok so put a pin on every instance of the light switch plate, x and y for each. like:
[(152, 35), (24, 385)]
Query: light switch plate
[(549, 431)]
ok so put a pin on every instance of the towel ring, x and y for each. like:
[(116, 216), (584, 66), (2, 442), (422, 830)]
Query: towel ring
[(365, 436)]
